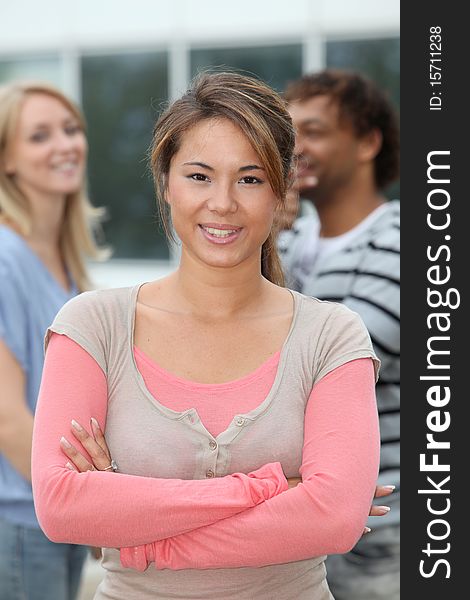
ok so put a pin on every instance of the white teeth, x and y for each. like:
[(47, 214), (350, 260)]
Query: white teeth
[(65, 166), (219, 232)]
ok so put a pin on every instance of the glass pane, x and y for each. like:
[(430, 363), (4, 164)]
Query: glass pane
[(122, 95), (276, 65), (379, 59), (41, 69)]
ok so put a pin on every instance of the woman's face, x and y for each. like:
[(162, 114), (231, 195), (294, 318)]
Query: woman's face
[(222, 204), (48, 153)]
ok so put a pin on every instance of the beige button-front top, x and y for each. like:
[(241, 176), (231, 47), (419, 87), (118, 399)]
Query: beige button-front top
[(150, 440)]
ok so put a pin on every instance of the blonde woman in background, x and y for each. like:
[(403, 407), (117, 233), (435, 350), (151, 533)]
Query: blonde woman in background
[(45, 220)]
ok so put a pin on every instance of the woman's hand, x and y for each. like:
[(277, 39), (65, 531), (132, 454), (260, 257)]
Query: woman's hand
[(380, 492), (375, 511), (95, 446)]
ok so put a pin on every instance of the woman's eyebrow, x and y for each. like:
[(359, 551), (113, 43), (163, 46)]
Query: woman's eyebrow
[(241, 169), (46, 125), (199, 164), (251, 168)]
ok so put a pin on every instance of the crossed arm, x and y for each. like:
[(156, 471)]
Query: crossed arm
[(323, 514), (109, 510)]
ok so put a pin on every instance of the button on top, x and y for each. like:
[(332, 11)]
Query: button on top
[(212, 445), (209, 473), (239, 421)]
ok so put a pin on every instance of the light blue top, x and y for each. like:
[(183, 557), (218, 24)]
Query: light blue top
[(30, 297)]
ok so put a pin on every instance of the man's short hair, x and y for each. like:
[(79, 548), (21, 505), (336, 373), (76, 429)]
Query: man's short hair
[(361, 104)]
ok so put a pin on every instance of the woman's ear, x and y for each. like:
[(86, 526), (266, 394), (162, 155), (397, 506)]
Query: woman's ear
[(164, 188)]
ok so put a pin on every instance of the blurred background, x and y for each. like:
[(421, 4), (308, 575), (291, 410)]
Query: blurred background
[(122, 61)]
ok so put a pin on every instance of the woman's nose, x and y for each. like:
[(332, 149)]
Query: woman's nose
[(64, 141), (222, 200)]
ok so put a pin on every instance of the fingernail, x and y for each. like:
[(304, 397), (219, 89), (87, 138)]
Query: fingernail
[(390, 487), (65, 443), (384, 509), (367, 530), (76, 426), (69, 466), (94, 423)]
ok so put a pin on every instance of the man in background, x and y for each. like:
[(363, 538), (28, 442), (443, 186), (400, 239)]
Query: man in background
[(347, 250)]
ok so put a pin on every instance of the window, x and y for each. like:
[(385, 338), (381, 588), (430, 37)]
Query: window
[(276, 65), (379, 59), (122, 97), (47, 68)]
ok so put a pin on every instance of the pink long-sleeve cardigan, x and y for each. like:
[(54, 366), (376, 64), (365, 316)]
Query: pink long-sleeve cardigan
[(202, 491)]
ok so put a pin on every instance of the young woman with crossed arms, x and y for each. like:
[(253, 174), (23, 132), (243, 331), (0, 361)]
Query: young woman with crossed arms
[(213, 385)]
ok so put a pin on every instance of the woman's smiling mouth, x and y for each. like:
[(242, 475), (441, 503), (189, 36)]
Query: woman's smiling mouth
[(220, 234)]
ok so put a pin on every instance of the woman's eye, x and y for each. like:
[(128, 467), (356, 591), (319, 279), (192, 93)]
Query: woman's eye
[(39, 136), (199, 177), (250, 179), (72, 129)]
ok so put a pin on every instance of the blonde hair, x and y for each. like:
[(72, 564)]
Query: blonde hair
[(262, 116), (80, 217)]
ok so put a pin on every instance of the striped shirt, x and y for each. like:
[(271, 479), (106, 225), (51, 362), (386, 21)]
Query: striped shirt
[(364, 274)]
